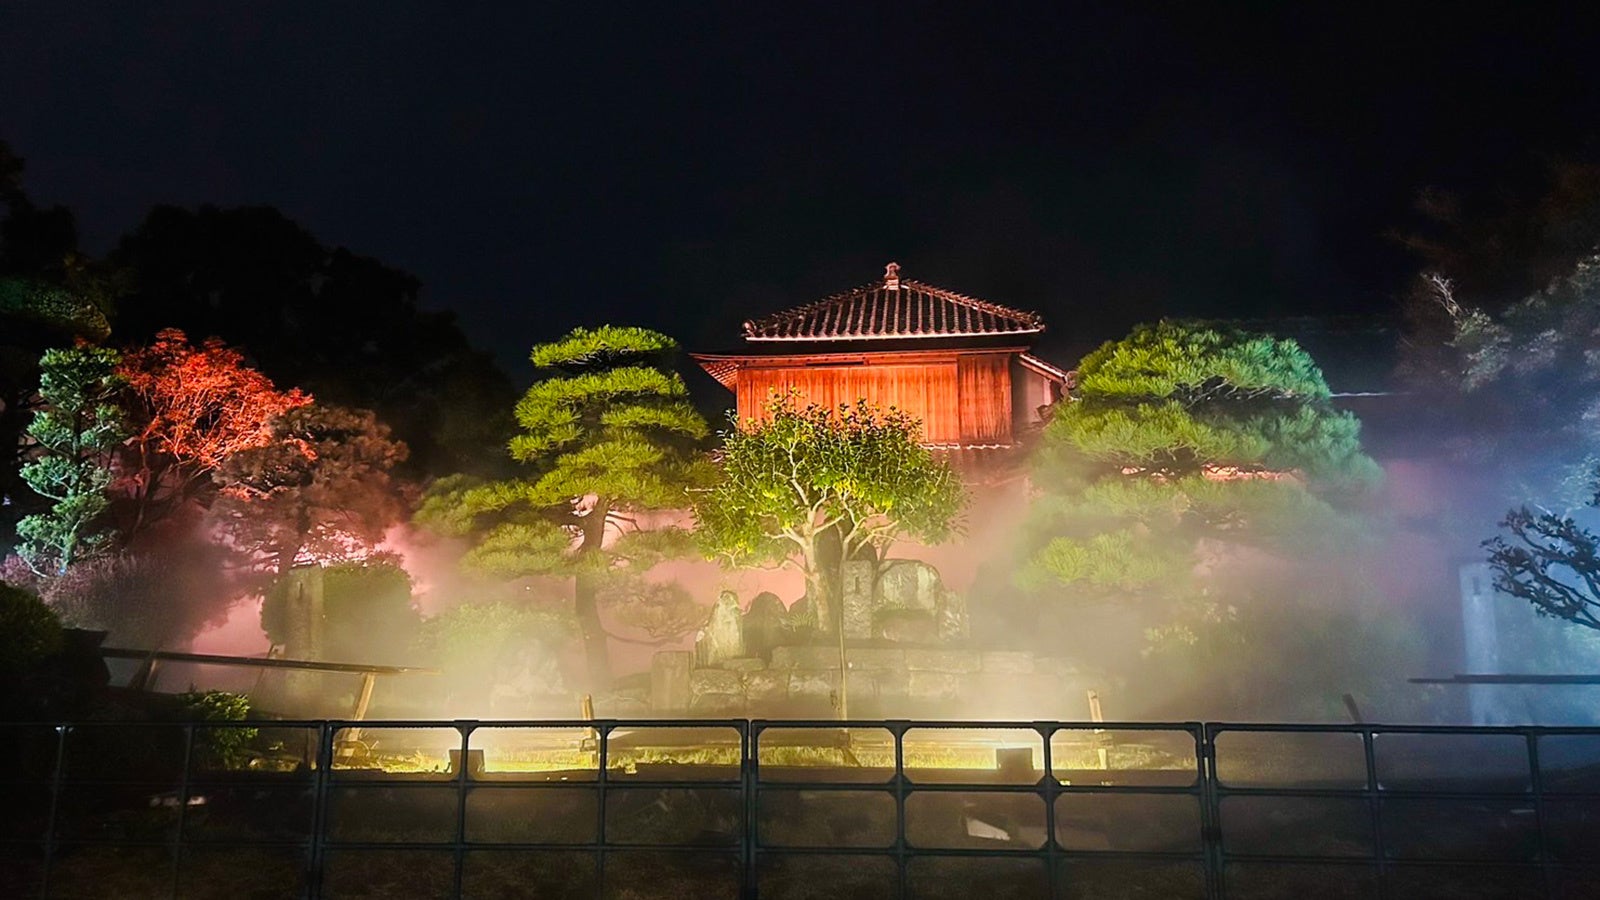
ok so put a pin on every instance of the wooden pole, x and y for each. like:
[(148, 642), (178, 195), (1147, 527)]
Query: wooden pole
[(363, 700), (1095, 715)]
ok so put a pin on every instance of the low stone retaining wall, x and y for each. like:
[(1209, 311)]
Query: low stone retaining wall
[(883, 682)]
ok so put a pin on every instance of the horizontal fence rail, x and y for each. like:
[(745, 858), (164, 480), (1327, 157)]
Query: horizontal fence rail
[(740, 808)]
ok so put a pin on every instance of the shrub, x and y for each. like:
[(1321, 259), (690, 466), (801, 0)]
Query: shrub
[(227, 747), (30, 632)]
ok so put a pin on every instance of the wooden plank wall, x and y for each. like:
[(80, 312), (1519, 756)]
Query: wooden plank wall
[(985, 392), (928, 391), (960, 400)]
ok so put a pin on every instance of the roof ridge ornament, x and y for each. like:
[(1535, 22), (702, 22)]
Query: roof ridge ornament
[(891, 277)]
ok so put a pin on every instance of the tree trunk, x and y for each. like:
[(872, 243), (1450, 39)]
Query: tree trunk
[(820, 597), (827, 572), (586, 589)]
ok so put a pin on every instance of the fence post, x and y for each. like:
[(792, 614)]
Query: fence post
[(463, 767), (319, 809), (749, 754), (899, 731), (1375, 810), (603, 756), (1536, 785), (1210, 809), (183, 806), (56, 777), (1050, 790)]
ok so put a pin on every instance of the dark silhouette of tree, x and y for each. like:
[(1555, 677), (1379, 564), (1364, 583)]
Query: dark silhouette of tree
[(343, 327), (35, 242), (1500, 243), (321, 489), (1550, 561)]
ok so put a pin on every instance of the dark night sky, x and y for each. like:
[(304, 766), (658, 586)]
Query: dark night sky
[(688, 168)]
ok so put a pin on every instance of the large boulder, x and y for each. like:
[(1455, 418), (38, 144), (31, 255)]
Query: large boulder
[(722, 638), (765, 625)]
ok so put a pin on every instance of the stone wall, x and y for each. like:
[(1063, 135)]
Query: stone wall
[(884, 682)]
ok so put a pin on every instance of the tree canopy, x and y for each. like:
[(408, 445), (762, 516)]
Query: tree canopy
[(192, 409), (321, 488), (802, 474), (1526, 387), (1182, 439), (606, 432)]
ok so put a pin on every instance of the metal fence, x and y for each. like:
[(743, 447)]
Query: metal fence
[(737, 808)]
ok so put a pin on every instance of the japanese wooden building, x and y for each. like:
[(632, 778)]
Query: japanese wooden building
[(960, 364)]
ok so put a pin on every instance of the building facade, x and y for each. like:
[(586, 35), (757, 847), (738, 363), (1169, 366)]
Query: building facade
[(959, 364)]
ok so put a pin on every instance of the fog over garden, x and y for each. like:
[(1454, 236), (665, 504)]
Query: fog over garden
[(231, 438)]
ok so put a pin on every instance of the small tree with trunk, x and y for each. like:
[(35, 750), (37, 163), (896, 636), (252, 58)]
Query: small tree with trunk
[(805, 475), (72, 438), (606, 433)]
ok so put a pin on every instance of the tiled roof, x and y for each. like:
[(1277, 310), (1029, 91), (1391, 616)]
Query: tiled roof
[(1052, 372), (892, 308)]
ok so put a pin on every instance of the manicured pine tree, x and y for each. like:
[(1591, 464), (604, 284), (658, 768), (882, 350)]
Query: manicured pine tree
[(1184, 436), (608, 431)]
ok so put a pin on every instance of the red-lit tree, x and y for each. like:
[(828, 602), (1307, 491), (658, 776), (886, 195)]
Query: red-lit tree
[(193, 408)]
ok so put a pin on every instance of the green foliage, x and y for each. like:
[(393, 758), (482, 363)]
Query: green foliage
[(805, 472), (368, 609), (587, 348), (30, 632), (33, 318), (223, 746), (24, 302), (608, 431), (606, 426), (73, 436), (1110, 560), (467, 639), (1185, 443), (1191, 361)]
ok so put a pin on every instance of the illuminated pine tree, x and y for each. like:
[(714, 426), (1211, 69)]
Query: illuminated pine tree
[(72, 438), (608, 431), (1184, 436)]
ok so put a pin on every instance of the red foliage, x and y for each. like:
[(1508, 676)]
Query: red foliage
[(193, 408)]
